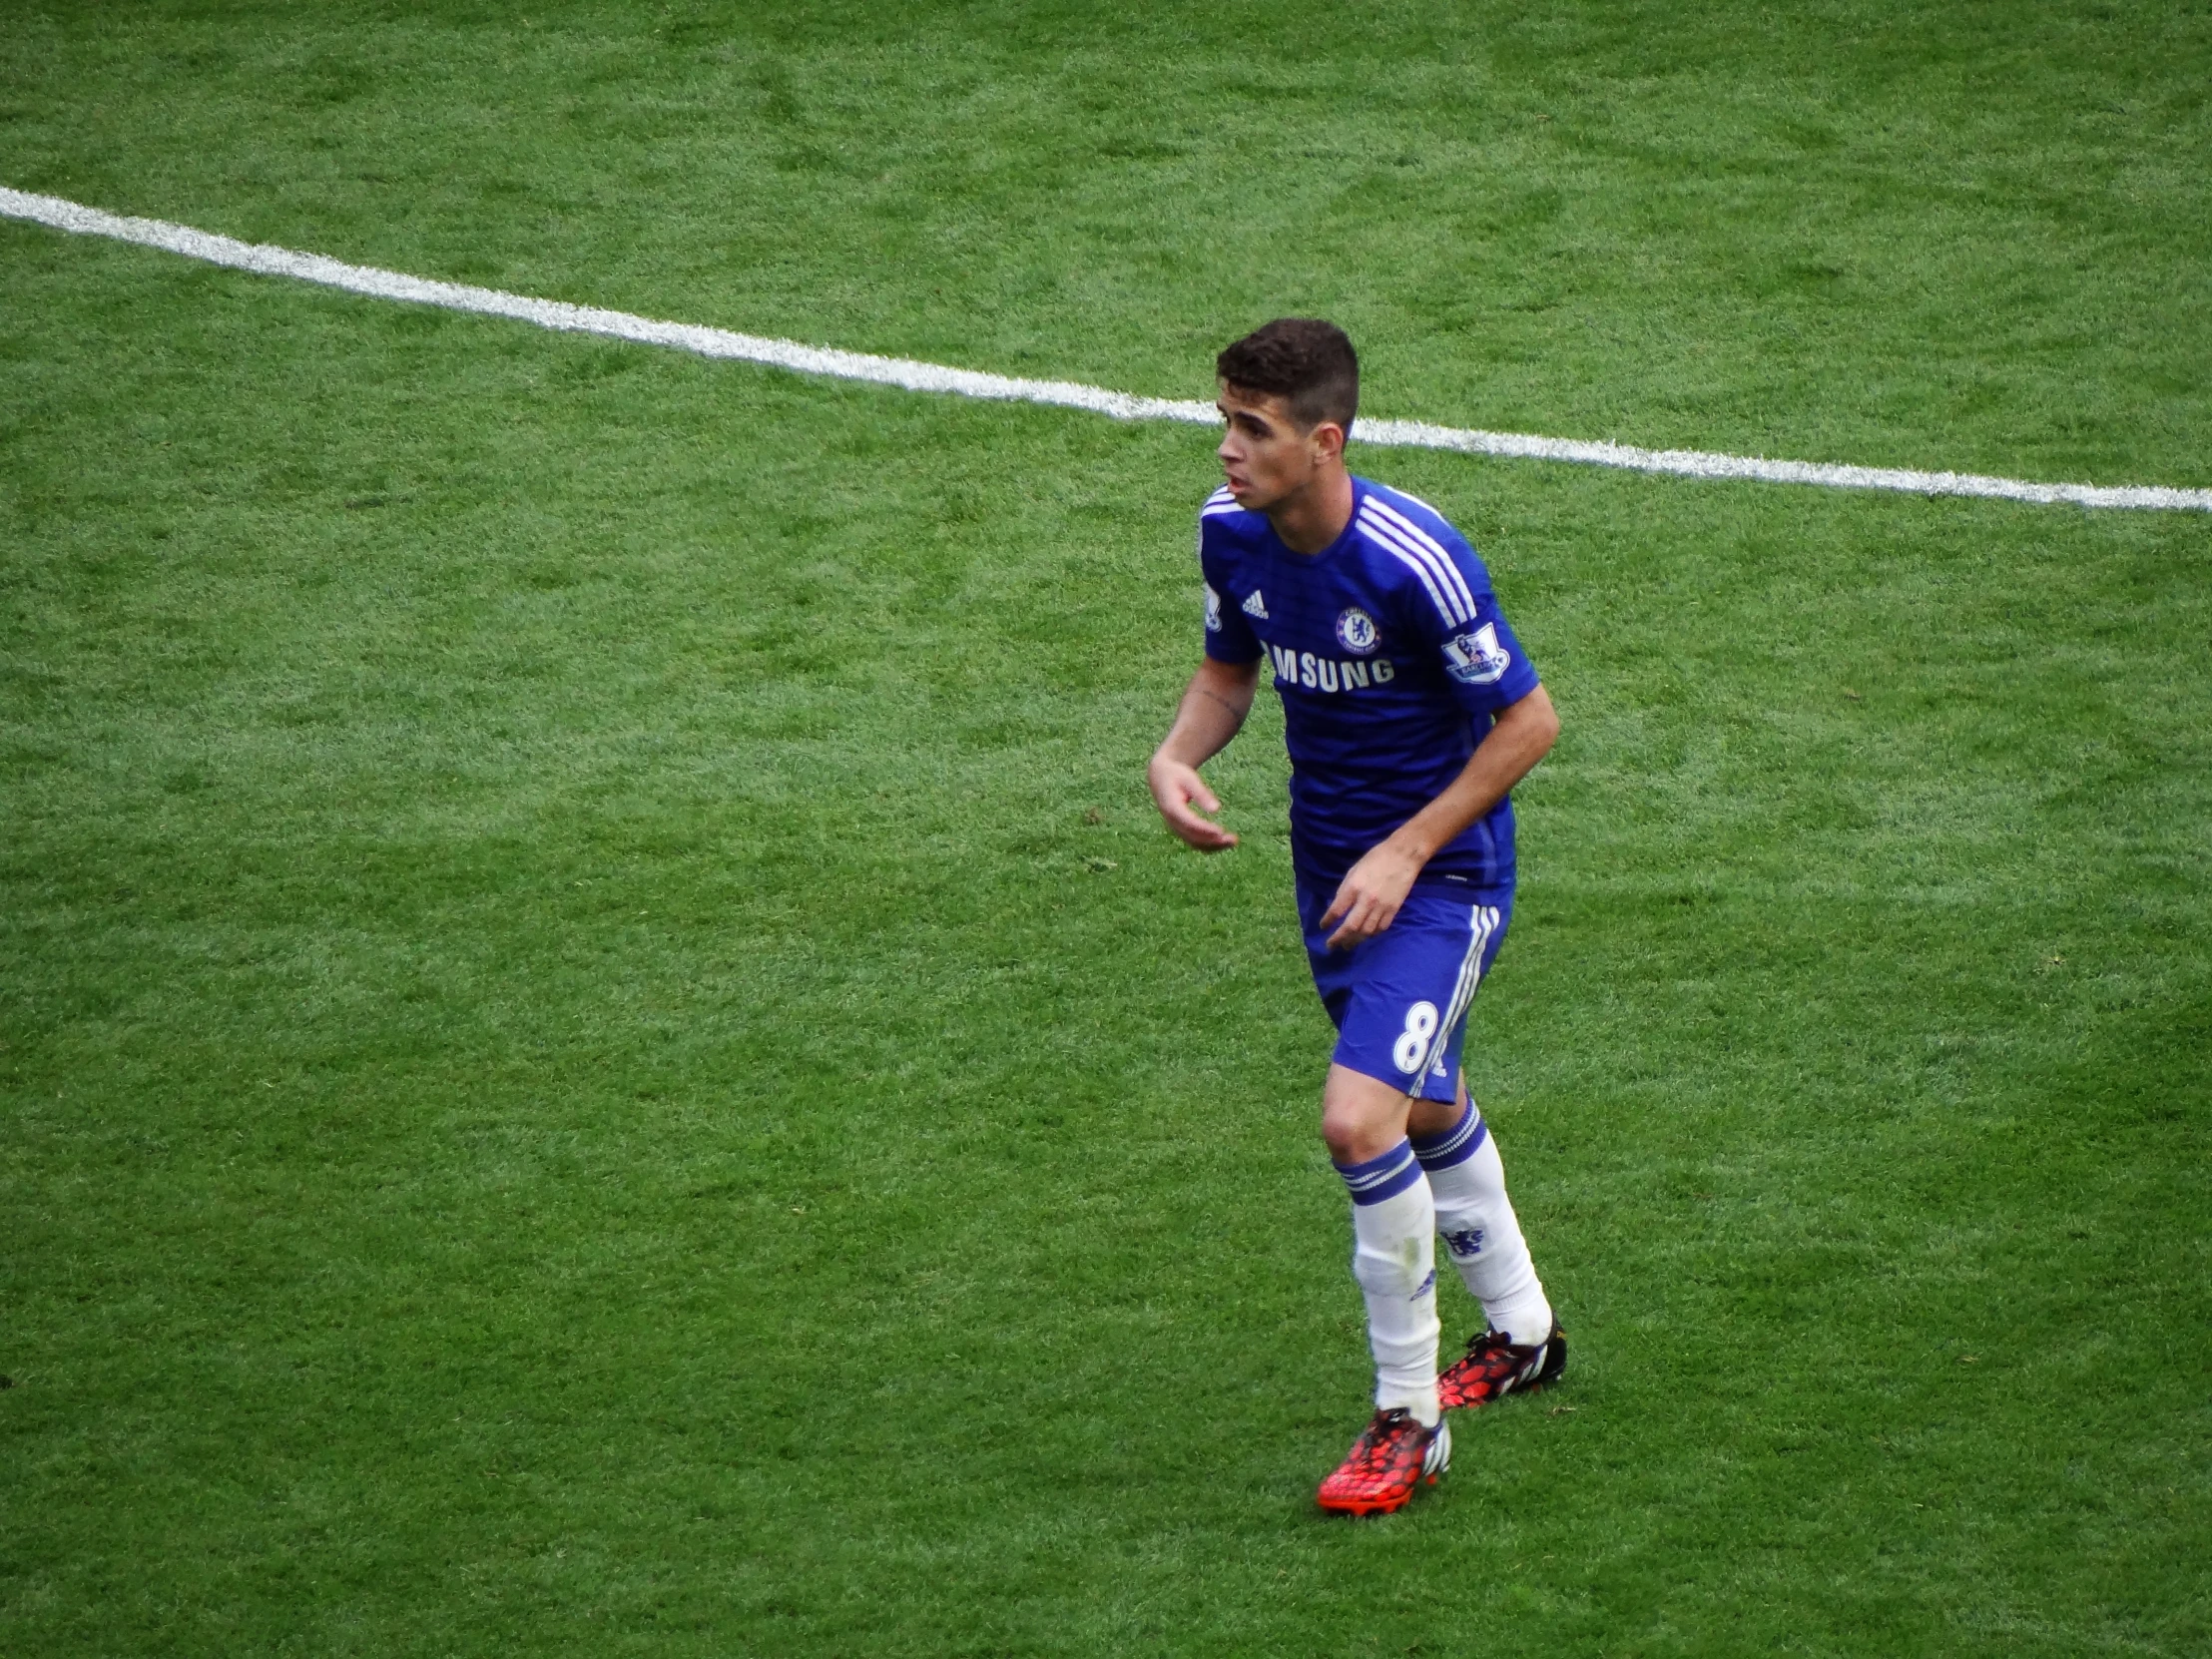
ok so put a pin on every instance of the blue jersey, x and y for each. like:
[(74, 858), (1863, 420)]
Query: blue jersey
[(1393, 662)]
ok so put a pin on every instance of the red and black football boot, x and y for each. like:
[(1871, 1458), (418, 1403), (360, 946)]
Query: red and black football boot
[(1494, 1368), (1392, 1457)]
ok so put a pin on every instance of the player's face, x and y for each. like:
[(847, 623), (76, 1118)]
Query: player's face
[(1268, 459)]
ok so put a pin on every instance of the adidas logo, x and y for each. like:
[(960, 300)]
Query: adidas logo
[(1254, 605)]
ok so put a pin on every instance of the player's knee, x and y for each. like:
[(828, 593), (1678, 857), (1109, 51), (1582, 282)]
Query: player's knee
[(1353, 1137), (1361, 1119)]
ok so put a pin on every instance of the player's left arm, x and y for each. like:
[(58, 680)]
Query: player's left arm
[(1373, 891)]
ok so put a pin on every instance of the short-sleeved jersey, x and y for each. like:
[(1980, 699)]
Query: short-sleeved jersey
[(1393, 662)]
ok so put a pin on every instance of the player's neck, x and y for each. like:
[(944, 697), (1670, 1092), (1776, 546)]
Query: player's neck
[(1314, 515)]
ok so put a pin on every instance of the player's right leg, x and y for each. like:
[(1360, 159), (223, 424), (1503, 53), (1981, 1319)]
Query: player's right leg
[(1393, 1227), (1393, 997)]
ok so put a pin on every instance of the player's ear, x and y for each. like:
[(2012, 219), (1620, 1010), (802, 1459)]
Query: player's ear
[(1329, 442)]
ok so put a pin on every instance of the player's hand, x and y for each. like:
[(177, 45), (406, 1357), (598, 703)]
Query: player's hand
[(1180, 794), (1370, 897)]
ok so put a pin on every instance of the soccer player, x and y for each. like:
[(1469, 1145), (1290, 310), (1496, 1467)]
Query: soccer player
[(1411, 711)]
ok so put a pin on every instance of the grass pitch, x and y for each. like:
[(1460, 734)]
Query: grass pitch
[(602, 1050)]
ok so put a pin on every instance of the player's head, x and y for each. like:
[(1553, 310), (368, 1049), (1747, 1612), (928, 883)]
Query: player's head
[(1306, 363), (1288, 393)]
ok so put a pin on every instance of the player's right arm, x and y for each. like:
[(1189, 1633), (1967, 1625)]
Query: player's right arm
[(1212, 712)]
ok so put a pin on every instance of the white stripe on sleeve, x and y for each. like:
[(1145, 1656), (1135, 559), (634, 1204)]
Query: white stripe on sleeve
[(1423, 538)]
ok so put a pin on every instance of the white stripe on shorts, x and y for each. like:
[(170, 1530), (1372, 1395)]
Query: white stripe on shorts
[(1482, 922)]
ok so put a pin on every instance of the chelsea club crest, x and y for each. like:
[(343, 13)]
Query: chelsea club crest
[(1355, 631)]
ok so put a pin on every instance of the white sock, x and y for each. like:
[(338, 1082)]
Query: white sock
[(1480, 1229), (1394, 1257)]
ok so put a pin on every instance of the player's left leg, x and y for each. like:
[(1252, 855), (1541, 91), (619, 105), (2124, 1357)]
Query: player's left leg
[(1476, 1218), (1521, 1346)]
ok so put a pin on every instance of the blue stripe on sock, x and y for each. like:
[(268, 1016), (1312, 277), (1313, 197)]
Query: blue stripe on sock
[(1456, 1145), (1384, 1177)]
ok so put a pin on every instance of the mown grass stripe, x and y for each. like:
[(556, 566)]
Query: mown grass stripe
[(269, 260)]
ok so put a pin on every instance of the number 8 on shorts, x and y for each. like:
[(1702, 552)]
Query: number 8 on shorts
[(1412, 1043)]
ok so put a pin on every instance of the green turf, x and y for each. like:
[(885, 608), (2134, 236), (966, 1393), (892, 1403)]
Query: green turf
[(603, 1053)]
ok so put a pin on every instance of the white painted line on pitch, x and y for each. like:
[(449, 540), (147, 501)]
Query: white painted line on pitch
[(966, 382)]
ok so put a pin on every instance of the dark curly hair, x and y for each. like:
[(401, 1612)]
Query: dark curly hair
[(1306, 363)]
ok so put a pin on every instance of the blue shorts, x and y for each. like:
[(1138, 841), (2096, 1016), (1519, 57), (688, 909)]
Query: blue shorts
[(1399, 1000)]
